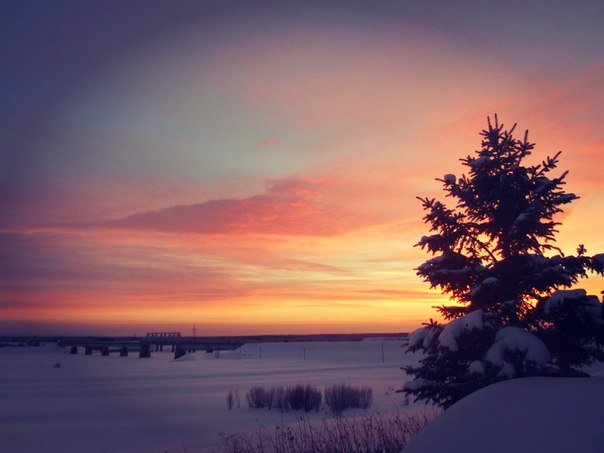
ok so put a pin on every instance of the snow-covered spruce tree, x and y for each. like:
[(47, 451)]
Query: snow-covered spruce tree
[(495, 257)]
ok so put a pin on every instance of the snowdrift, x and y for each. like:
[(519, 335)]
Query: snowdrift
[(553, 415)]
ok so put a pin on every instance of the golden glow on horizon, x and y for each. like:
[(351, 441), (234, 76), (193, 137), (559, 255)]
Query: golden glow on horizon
[(358, 281)]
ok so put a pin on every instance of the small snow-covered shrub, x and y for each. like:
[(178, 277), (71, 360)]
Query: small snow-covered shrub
[(303, 398), (259, 397), (230, 400), (297, 397), (341, 397), (233, 399), (280, 398)]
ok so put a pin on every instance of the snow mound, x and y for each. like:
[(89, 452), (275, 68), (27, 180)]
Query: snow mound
[(480, 162), (186, 358), (560, 296), (450, 178), (553, 415), (588, 304), (422, 336), (452, 331), (511, 339)]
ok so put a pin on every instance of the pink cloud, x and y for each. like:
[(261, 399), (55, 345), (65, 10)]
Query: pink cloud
[(270, 142), (288, 207)]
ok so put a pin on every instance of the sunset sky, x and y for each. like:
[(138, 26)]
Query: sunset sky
[(252, 167)]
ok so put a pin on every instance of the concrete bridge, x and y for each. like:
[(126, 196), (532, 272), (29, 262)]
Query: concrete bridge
[(153, 341), (178, 343)]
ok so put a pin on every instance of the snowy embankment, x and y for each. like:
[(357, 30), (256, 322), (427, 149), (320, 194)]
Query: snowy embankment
[(537, 415), (126, 404)]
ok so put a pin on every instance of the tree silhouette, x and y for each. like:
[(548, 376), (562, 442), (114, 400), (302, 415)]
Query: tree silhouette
[(512, 317)]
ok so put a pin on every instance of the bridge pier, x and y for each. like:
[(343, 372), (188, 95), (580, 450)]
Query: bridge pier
[(145, 351), (124, 352), (179, 352), (88, 350), (104, 351), (73, 350)]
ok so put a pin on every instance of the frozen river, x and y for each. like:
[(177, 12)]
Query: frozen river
[(126, 404)]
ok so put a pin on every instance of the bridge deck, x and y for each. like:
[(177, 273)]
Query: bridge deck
[(197, 343)]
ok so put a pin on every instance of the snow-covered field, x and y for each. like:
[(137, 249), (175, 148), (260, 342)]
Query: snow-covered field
[(115, 404)]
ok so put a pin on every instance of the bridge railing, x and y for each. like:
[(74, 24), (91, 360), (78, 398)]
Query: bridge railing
[(163, 335)]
